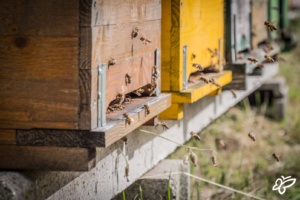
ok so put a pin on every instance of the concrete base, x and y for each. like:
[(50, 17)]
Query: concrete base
[(154, 184)]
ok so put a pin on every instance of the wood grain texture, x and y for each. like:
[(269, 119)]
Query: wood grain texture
[(8, 137), (39, 82), (259, 16), (46, 158), (51, 18), (100, 137)]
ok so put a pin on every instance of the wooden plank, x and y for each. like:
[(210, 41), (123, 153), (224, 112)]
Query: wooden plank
[(103, 12), (39, 82), (37, 18), (239, 76), (46, 158), (115, 41), (8, 137), (174, 112), (140, 69), (259, 16), (115, 129), (200, 89)]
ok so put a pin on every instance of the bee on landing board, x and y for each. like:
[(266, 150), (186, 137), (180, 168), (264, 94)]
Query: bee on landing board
[(145, 40), (138, 92), (112, 61), (135, 32), (128, 119), (127, 79), (270, 26), (147, 109), (198, 66), (252, 60)]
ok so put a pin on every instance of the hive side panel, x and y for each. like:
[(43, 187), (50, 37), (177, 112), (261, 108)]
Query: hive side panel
[(259, 16)]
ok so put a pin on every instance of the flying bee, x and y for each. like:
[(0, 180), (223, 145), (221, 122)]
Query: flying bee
[(128, 120), (194, 56), (276, 157), (164, 126), (214, 160), (112, 61), (199, 67), (138, 92), (220, 144), (233, 93), (213, 52), (195, 136), (127, 172), (147, 109), (252, 60), (269, 58), (252, 136), (270, 26), (145, 40), (127, 79), (205, 79), (125, 139), (135, 32), (194, 158), (213, 81), (260, 65)]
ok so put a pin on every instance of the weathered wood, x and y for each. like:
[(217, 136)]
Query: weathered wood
[(46, 158), (115, 129), (239, 77), (38, 82), (8, 137), (259, 16), (51, 18)]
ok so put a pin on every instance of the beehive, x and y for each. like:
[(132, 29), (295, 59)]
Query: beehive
[(189, 28), (274, 14), (56, 77), (259, 16)]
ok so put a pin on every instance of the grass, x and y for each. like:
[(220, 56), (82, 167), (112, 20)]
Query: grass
[(246, 165)]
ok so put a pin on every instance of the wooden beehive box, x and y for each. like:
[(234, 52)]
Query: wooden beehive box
[(274, 17), (259, 16), (189, 28), (55, 77)]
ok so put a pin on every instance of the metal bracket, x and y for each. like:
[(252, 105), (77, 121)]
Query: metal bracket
[(157, 65), (101, 95), (185, 79)]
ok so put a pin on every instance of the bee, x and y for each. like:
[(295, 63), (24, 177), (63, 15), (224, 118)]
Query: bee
[(117, 106), (195, 136), (128, 120), (127, 79), (109, 110), (112, 61), (120, 98), (214, 160), (269, 58), (276, 157), (135, 32), (240, 56), (127, 172), (270, 26), (205, 79), (147, 109), (252, 136), (138, 92), (125, 139), (199, 67), (267, 48), (145, 40), (194, 158), (233, 93), (127, 99), (194, 56), (260, 65), (213, 52), (213, 81), (252, 60), (164, 126), (220, 144), (156, 72)]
